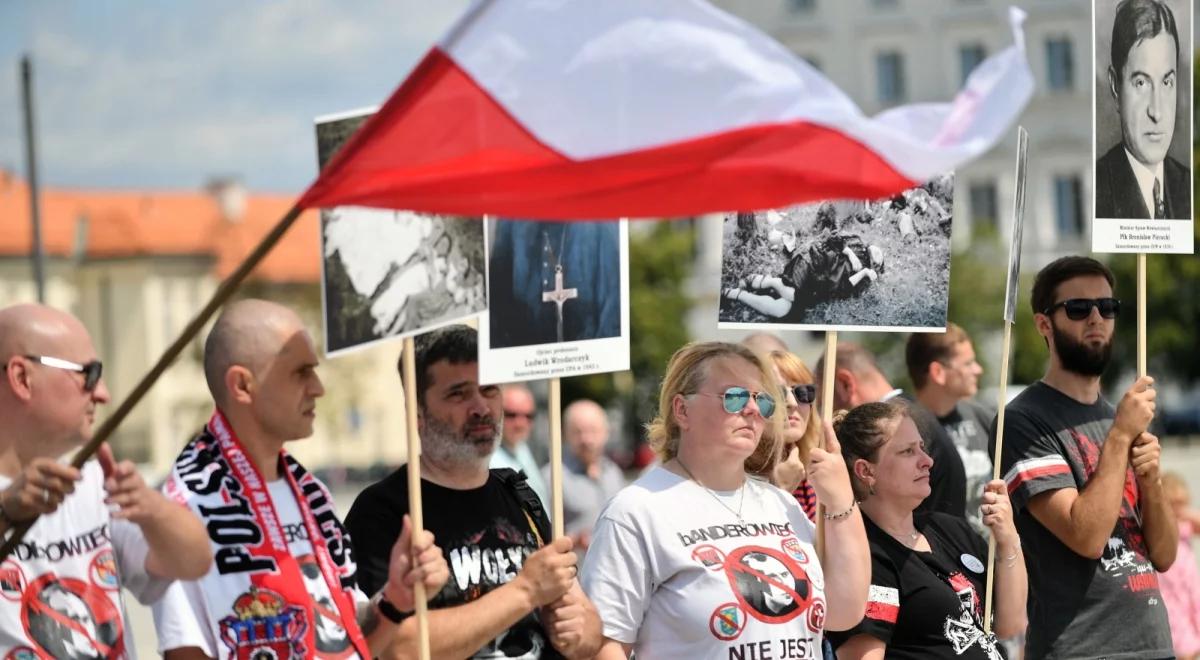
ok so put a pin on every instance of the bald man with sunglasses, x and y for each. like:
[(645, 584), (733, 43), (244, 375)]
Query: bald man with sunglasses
[(1083, 478), (99, 528)]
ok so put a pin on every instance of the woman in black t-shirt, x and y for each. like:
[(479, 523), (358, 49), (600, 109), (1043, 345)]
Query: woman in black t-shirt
[(927, 571)]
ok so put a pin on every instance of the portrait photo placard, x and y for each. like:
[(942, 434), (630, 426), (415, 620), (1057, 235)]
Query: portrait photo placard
[(559, 295), (1142, 125), (841, 265), (387, 274)]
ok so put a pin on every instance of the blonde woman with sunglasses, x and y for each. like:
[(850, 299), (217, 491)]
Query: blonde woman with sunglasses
[(782, 463), (695, 559)]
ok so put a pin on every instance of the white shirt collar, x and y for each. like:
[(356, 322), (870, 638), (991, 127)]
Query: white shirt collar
[(891, 395), (1145, 178)]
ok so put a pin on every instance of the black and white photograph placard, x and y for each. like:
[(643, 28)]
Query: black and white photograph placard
[(1142, 120), (387, 273), (841, 265), (559, 295)]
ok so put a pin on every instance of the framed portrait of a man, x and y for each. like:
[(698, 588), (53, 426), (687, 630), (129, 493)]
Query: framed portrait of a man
[(1143, 129)]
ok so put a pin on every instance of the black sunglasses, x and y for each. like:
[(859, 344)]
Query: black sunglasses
[(91, 371), (1079, 309), (803, 393)]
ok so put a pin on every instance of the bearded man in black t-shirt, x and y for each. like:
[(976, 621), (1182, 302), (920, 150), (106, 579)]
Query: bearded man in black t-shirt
[(1084, 482), (512, 593)]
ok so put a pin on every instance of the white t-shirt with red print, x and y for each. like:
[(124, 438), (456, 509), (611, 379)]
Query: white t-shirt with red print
[(677, 575), (60, 589), (182, 617)]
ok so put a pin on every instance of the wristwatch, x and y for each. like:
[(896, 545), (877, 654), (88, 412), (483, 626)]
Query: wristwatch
[(389, 611)]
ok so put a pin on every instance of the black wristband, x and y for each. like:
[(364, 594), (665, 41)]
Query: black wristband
[(389, 611)]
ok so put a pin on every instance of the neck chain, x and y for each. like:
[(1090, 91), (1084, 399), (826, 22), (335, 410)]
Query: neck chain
[(741, 498), (555, 257), (906, 539)]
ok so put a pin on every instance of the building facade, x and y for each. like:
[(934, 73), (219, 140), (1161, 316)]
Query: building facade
[(136, 267), (885, 53)]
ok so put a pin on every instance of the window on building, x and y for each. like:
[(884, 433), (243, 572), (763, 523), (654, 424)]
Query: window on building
[(1060, 64), (1068, 205), (802, 6), (969, 56), (889, 71), (984, 209)]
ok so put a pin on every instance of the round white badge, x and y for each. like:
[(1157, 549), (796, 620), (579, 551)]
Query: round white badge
[(972, 562)]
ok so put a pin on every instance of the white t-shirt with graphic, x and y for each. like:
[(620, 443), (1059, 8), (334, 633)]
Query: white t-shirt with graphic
[(675, 573), (60, 589), (181, 616)]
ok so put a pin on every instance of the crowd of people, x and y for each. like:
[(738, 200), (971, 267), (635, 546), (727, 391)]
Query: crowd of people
[(713, 552)]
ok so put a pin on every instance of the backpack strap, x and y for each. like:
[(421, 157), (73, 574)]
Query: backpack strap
[(531, 504)]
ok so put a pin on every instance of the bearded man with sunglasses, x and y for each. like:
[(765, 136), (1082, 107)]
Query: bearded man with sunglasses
[(1084, 483), (98, 528)]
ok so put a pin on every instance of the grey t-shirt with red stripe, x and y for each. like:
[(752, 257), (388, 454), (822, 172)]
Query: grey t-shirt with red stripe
[(1078, 607)]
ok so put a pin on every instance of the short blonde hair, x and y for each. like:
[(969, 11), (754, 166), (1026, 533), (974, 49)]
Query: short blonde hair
[(686, 371), (793, 370)]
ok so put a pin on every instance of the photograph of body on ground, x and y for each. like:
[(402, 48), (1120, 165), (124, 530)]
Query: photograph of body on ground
[(882, 265)]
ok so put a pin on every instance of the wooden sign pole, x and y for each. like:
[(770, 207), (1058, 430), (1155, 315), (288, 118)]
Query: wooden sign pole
[(414, 488)]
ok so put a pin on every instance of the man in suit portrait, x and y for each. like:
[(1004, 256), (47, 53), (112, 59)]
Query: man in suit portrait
[(1136, 178)]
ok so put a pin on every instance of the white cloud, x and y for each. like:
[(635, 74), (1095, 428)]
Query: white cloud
[(167, 95)]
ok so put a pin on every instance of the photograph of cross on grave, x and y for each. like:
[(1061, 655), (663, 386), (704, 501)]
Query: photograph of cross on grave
[(880, 265)]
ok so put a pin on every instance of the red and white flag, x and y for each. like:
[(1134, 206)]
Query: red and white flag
[(605, 108)]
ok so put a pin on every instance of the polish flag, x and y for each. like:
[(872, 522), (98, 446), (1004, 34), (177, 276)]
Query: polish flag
[(883, 604), (565, 109)]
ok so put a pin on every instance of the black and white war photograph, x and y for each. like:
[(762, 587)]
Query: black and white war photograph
[(1143, 129), (841, 265), (391, 273), (556, 288)]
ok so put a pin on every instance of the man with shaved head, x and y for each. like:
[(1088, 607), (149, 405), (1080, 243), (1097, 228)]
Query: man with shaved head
[(283, 583), (99, 528), (590, 477)]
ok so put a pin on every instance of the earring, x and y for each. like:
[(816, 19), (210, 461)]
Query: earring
[(871, 489)]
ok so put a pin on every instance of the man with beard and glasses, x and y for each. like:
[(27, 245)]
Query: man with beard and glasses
[(1084, 483), (512, 592)]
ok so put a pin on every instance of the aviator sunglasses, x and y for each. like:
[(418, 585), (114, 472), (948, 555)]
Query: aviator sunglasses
[(735, 400), (91, 370), (1079, 309), (803, 393)]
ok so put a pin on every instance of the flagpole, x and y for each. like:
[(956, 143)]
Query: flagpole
[(826, 414), (556, 490), (223, 293), (1010, 314), (415, 509)]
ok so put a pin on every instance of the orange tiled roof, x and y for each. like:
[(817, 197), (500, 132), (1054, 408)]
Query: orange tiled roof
[(129, 223)]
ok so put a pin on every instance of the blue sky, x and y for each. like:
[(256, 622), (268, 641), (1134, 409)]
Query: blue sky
[(166, 95)]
